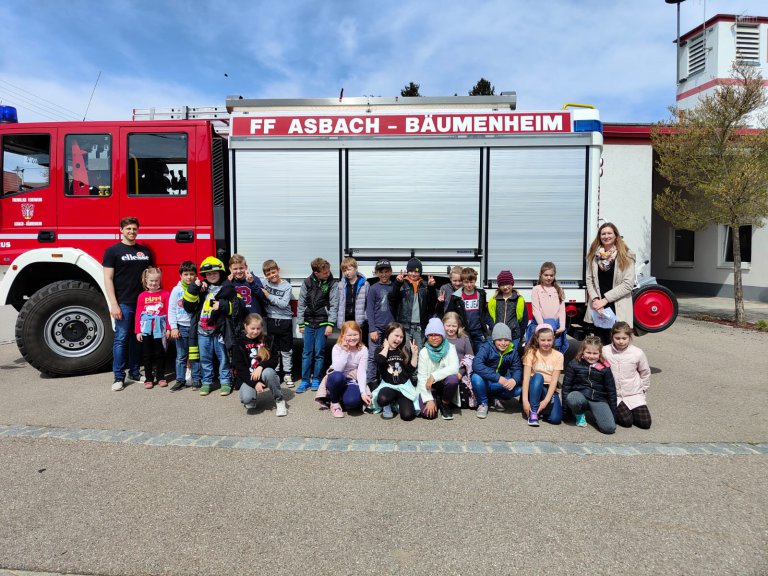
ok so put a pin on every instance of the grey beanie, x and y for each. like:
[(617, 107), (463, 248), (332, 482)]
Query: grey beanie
[(435, 326), (501, 332)]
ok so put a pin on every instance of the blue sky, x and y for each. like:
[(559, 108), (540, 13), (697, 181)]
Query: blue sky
[(615, 54)]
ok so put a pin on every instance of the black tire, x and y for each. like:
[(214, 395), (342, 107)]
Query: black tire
[(65, 329), (655, 308)]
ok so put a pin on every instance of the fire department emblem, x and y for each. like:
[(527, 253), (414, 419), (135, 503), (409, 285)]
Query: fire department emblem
[(27, 211)]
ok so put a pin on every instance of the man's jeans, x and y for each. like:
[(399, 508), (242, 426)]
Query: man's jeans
[(126, 349)]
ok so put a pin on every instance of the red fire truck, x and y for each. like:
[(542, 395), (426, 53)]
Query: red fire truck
[(462, 180)]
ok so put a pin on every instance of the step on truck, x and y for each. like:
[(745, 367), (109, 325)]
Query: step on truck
[(459, 180)]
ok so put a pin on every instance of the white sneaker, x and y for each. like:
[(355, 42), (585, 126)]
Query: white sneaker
[(288, 380), (282, 409), (117, 386)]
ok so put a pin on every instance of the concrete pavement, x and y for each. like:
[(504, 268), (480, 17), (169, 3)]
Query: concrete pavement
[(96, 482)]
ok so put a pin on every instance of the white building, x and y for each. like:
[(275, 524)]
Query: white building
[(685, 261)]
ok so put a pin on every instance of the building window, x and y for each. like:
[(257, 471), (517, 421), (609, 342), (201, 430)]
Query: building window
[(745, 238), (696, 55), (747, 43), (683, 246), (88, 160), (157, 164), (26, 162)]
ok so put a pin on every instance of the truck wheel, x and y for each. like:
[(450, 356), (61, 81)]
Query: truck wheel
[(655, 308), (65, 329)]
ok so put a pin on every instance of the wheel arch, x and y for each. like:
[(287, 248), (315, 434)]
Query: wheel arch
[(37, 268)]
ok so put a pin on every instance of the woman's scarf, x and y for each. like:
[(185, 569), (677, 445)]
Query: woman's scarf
[(437, 353), (605, 259)]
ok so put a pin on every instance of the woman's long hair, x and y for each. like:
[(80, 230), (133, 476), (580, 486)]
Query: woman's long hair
[(622, 252)]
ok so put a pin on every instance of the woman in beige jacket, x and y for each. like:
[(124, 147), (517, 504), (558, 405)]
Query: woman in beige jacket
[(610, 277)]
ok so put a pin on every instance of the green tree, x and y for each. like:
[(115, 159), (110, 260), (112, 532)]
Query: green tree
[(715, 165), (411, 89), (482, 88)]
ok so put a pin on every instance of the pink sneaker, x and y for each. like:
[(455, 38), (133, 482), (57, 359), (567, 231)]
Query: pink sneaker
[(148, 384), (336, 411), (162, 383)]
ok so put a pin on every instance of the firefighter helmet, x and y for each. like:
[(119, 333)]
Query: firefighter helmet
[(211, 264)]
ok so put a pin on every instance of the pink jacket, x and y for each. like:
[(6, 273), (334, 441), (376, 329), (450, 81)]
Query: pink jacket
[(631, 372)]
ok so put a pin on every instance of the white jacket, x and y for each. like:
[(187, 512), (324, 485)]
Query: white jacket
[(631, 372)]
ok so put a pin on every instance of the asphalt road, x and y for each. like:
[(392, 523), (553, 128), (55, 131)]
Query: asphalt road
[(115, 507)]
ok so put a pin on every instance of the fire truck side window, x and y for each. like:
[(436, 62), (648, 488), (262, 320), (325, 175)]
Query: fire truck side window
[(26, 162), (89, 165), (157, 164)]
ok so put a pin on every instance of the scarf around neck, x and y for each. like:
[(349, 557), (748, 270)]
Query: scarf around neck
[(437, 353), (605, 258)]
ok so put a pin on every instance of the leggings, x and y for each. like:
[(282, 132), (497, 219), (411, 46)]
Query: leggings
[(153, 354), (388, 396), (578, 404), (640, 416), (343, 391)]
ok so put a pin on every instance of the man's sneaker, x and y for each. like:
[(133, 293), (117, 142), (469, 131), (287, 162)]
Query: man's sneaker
[(288, 380), (315, 384), (149, 384), (137, 377), (177, 386), (498, 405), (226, 390), (482, 411), (336, 410), (205, 389), (446, 413), (282, 409), (162, 383), (118, 385), (386, 412), (533, 419), (581, 420), (196, 385), (303, 387)]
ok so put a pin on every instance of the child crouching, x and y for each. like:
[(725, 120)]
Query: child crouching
[(255, 365)]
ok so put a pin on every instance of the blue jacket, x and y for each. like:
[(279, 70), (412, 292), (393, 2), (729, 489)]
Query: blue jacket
[(489, 363), (377, 309)]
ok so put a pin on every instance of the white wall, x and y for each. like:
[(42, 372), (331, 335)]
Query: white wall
[(626, 194)]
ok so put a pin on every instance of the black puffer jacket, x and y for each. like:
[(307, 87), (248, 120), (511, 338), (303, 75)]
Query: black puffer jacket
[(594, 381)]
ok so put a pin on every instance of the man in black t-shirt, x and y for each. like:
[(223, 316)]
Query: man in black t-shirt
[(123, 264)]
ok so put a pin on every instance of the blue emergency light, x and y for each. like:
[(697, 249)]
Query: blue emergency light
[(8, 115)]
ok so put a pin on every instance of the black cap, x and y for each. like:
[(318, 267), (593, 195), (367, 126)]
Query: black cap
[(383, 263), (414, 265)]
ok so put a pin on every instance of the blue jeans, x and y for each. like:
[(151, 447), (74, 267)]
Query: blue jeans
[(536, 393), (182, 354), (126, 349), (313, 355), (485, 388), (343, 391), (210, 346)]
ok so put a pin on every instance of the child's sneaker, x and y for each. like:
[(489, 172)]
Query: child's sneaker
[(177, 386), (446, 412), (386, 412), (498, 406), (581, 420), (533, 419), (482, 411), (205, 389), (336, 410), (315, 384), (282, 409), (250, 405), (288, 380), (118, 385), (162, 383), (225, 390), (303, 387), (137, 377), (149, 384)]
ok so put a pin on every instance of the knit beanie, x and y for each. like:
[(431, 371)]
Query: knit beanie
[(414, 265), (501, 332), (505, 278), (435, 326)]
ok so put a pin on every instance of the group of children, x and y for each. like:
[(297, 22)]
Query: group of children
[(428, 351)]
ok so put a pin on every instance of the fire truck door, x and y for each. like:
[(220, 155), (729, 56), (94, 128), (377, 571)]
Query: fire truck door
[(159, 190), (89, 207), (29, 187)]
